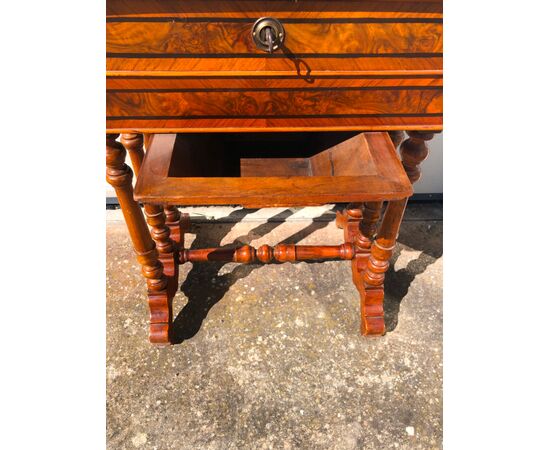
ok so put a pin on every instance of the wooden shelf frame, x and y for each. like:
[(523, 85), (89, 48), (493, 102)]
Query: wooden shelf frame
[(364, 168)]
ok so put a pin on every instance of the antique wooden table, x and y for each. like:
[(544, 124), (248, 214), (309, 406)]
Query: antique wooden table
[(270, 103)]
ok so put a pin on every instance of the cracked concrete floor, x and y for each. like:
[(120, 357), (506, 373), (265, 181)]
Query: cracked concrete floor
[(271, 356)]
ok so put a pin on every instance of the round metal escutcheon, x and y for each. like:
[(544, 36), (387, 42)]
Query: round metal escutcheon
[(268, 34)]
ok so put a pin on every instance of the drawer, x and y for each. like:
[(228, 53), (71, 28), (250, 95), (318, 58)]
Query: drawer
[(189, 37), (193, 66)]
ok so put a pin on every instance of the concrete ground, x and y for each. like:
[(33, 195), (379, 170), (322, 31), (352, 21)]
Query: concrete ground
[(271, 356)]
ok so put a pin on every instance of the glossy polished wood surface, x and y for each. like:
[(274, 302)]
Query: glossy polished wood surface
[(363, 168), (305, 39), (191, 67), (345, 65)]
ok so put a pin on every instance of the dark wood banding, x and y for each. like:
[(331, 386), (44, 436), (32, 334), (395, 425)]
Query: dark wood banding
[(254, 82), (282, 9)]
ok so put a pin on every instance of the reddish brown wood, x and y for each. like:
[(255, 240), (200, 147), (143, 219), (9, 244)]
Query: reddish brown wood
[(266, 254), (368, 224), (204, 83), (119, 175), (133, 143), (176, 223), (226, 38), (375, 267), (396, 137), (349, 220), (275, 124), (413, 151), (357, 173), (190, 66), (277, 8), (384, 58), (185, 106)]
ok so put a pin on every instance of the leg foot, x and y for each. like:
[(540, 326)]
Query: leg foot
[(119, 175), (160, 306), (372, 312)]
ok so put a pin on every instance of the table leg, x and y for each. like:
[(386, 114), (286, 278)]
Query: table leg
[(349, 220), (177, 223), (375, 267), (396, 137), (135, 143), (119, 175), (413, 151), (168, 251)]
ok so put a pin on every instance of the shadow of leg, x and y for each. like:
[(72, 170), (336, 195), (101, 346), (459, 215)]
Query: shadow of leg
[(204, 286), (427, 238)]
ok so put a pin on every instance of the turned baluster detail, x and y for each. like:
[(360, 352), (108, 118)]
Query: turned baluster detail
[(176, 223), (413, 151), (383, 245), (266, 254), (396, 137), (368, 224), (159, 231), (133, 142), (354, 211), (375, 268), (119, 175), (173, 214)]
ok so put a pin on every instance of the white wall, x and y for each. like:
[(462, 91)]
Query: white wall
[(431, 181)]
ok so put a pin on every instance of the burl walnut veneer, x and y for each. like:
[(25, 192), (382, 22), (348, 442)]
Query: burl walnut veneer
[(334, 84)]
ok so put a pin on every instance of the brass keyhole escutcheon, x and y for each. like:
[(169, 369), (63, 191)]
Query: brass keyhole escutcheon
[(268, 34)]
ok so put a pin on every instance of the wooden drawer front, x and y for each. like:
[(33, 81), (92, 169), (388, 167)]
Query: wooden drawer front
[(276, 103), (337, 103), (164, 37), (191, 37), (192, 66)]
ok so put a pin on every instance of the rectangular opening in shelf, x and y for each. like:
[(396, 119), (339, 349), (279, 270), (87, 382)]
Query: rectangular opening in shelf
[(269, 155), (270, 169)]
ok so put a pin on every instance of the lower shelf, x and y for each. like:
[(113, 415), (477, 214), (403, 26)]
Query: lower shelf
[(271, 169)]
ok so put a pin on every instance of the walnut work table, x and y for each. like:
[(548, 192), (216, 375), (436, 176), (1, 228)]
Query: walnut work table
[(270, 103)]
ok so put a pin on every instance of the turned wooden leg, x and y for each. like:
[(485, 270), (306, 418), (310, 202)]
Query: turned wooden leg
[(119, 175), (396, 137), (135, 143), (168, 251), (375, 266), (368, 224), (349, 220), (177, 223), (360, 229), (413, 151)]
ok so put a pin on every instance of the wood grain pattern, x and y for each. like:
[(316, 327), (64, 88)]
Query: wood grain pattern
[(190, 67), (228, 124), (175, 83), (330, 102), (304, 39), (413, 151), (277, 8), (159, 181), (266, 254), (119, 175), (276, 64)]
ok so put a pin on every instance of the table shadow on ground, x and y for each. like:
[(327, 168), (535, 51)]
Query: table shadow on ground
[(204, 287)]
